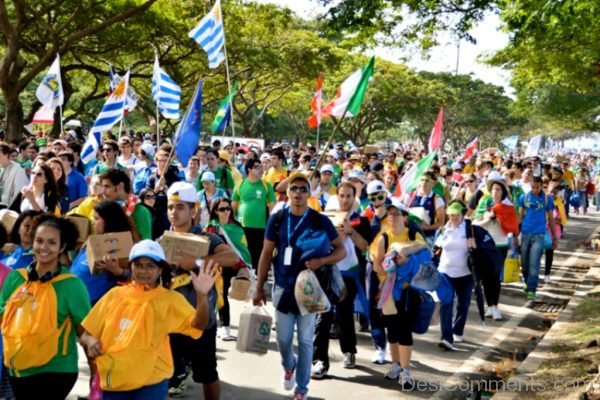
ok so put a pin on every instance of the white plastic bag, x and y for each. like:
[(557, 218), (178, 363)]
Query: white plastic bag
[(309, 295)]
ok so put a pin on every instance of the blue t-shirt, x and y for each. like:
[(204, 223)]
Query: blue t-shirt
[(97, 285), (536, 207), (76, 186), (20, 258), (141, 177), (285, 276)]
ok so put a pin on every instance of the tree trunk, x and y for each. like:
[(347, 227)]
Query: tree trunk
[(14, 118)]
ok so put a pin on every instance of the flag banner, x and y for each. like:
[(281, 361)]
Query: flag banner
[(188, 132), (165, 92), (111, 113), (113, 81), (315, 120), (534, 146), (511, 142), (351, 93), (410, 180), (223, 116), (209, 34), (435, 140), (471, 149), (43, 116), (50, 91)]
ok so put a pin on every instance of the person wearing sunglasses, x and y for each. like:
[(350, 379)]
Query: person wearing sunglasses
[(109, 151), (468, 189), (283, 230), (42, 192), (199, 354), (376, 213), (223, 224)]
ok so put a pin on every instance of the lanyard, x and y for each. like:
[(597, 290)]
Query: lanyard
[(289, 229)]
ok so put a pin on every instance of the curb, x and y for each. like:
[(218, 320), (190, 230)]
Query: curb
[(542, 351)]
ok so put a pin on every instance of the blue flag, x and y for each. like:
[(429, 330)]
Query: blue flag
[(188, 135)]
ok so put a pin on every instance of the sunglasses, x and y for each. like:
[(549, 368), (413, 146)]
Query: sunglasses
[(107, 149), (223, 209), (378, 197), (39, 173), (470, 181), (301, 189)]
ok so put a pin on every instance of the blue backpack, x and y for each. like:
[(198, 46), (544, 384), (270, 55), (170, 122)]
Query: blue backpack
[(425, 313)]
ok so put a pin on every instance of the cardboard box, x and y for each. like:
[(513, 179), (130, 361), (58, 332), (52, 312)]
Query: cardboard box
[(83, 226), (370, 149), (336, 217), (254, 330), (8, 219), (195, 246), (117, 244)]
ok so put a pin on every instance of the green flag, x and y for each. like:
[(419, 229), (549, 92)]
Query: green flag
[(410, 180), (351, 93), (224, 112)]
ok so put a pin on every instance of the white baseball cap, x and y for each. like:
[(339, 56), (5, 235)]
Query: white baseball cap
[(397, 204), (375, 187), (265, 157), (148, 149), (182, 191), (333, 154), (326, 168), (147, 248), (208, 176)]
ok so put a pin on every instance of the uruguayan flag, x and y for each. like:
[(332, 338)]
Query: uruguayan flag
[(165, 92), (210, 35), (111, 113)]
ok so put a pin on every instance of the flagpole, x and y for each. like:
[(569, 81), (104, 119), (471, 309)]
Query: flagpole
[(157, 127), (228, 85), (61, 119)]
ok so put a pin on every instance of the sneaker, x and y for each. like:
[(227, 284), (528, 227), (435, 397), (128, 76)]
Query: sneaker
[(378, 356), (497, 315), (530, 295), (300, 396), (394, 372), (177, 385), (446, 345), (458, 338), (349, 360), (318, 371), (488, 313), (225, 334), (407, 382), (289, 378), (547, 279)]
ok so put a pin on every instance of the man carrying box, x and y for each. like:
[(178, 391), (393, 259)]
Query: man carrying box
[(201, 353)]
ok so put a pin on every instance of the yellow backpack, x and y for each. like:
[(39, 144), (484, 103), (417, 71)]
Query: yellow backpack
[(128, 352), (30, 324)]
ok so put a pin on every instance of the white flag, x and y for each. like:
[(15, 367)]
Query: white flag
[(534, 146), (50, 92)]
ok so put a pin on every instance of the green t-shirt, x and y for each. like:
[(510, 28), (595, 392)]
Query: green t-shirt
[(102, 167), (25, 164), (224, 179), (253, 199), (142, 217), (73, 301)]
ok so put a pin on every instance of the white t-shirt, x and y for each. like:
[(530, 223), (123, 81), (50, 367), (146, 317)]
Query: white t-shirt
[(26, 204), (453, 260)]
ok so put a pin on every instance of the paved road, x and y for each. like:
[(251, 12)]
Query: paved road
[(486, 350)]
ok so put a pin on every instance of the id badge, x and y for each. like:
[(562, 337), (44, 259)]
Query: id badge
[(287, 256)]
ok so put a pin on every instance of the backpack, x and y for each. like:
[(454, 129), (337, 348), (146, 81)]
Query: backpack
[(30, 324), (128, 355)]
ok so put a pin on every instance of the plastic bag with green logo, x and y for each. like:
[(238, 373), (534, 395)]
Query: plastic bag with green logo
[(311, 298)]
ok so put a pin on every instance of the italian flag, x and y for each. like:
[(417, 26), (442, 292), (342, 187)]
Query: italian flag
[(351, 93), (411, 178)]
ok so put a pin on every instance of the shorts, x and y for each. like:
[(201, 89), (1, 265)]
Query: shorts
[(200, 354), (399, 325)]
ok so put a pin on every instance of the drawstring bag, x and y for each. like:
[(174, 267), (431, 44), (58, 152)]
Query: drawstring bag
[(426, 278)]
